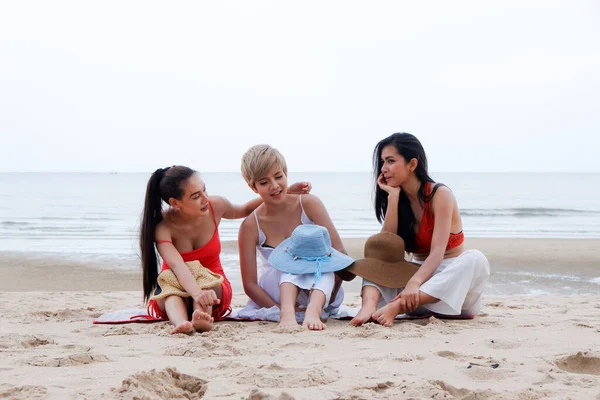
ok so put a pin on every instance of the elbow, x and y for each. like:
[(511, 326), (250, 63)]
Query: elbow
[(436, 257), (249, 288)]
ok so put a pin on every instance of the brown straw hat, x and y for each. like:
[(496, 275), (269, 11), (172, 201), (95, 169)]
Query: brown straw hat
[(384, 262), (170, 286)]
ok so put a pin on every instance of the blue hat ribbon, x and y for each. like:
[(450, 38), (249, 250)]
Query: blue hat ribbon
[(319, 265)]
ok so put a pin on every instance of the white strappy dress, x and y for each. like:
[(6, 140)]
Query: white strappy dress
[(269, 279)]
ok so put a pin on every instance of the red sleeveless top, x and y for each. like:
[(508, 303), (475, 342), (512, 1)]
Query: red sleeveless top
[(209, 256), (425, 233)]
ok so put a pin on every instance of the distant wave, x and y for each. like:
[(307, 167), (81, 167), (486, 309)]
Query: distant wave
[(525, 212), (85, 218)]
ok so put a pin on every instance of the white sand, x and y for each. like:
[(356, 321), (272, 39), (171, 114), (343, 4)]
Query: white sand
[(545, 347)]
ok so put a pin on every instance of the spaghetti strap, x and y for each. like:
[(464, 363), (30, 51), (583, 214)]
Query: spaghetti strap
[(256, 218), (213, 214)]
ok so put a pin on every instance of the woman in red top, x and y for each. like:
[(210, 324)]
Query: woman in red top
[(425, 214), (187, 231)]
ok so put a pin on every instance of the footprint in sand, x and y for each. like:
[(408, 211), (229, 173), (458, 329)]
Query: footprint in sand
[(380, 387), (120, 331), (167, 384), (529, 394), (502, 344), (258, 395), (487, 373), (274, 375), (302, 345), (375, 331), (229, 330), (22, 392), (65, 315), (580, 363), (447, 354), (205, 349), (453, 391), (69, 361), (13, 341)]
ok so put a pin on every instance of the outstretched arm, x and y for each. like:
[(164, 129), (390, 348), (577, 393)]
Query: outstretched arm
[(247, 241), (224, 209)]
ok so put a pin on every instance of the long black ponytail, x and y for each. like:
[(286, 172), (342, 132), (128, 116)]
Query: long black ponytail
[(409, 147), (165, 183)]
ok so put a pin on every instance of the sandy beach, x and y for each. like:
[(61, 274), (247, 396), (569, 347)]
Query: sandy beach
[(520, 347)]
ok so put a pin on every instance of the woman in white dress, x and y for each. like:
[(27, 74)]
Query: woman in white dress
[(265, 171), (425, 215)]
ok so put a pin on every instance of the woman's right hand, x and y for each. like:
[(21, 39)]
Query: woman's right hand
[(385, 187), (206, 298)]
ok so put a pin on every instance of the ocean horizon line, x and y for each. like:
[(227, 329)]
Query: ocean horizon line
[(310, 171)]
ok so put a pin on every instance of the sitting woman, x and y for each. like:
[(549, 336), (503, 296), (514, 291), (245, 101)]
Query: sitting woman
[(425, 215), (265, 171), (186, 236)]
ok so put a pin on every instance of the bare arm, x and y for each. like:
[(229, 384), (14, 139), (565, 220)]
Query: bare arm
[(224, 209), (316, 211), (390, 223), (171, 256), (247, 241), (443, 205)]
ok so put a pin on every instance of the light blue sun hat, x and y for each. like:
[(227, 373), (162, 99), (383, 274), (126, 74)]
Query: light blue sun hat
[(308, 251)]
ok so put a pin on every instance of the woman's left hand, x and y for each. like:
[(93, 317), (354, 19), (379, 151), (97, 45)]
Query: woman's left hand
[(410, 294), (300, 188)]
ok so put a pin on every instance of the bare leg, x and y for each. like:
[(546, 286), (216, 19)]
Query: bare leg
[(289, 294), (336, 288), (202, 319), (312, 317), (176, 310), (370, 298), (386, 314)]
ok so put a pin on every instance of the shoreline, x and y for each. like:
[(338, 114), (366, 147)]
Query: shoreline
[(508, 258)]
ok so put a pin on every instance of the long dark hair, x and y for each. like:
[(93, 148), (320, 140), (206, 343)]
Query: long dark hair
[(162, 185), (409, 147)]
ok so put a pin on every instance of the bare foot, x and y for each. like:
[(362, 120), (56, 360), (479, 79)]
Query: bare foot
[(386, 314), (288, 320), (312, 321), (184, 327), (202, 321), (364, 315)]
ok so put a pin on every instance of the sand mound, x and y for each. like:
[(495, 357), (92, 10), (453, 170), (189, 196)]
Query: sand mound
[(580, 363), (166, 384), (22, 392)]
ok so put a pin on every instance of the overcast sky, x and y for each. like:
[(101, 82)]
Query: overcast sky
[(132, 86)]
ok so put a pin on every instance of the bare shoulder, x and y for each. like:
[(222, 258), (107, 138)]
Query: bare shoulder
[(219, 204), (311, 201), (443, 196), (248, 229), (162, 232)]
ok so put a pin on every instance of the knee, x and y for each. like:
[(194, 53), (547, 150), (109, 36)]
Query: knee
[(481, 265)]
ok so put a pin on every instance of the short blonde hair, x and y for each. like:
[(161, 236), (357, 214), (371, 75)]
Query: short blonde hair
[(258, 160)]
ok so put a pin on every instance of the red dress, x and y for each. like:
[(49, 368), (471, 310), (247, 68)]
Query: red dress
[(209, 256)]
